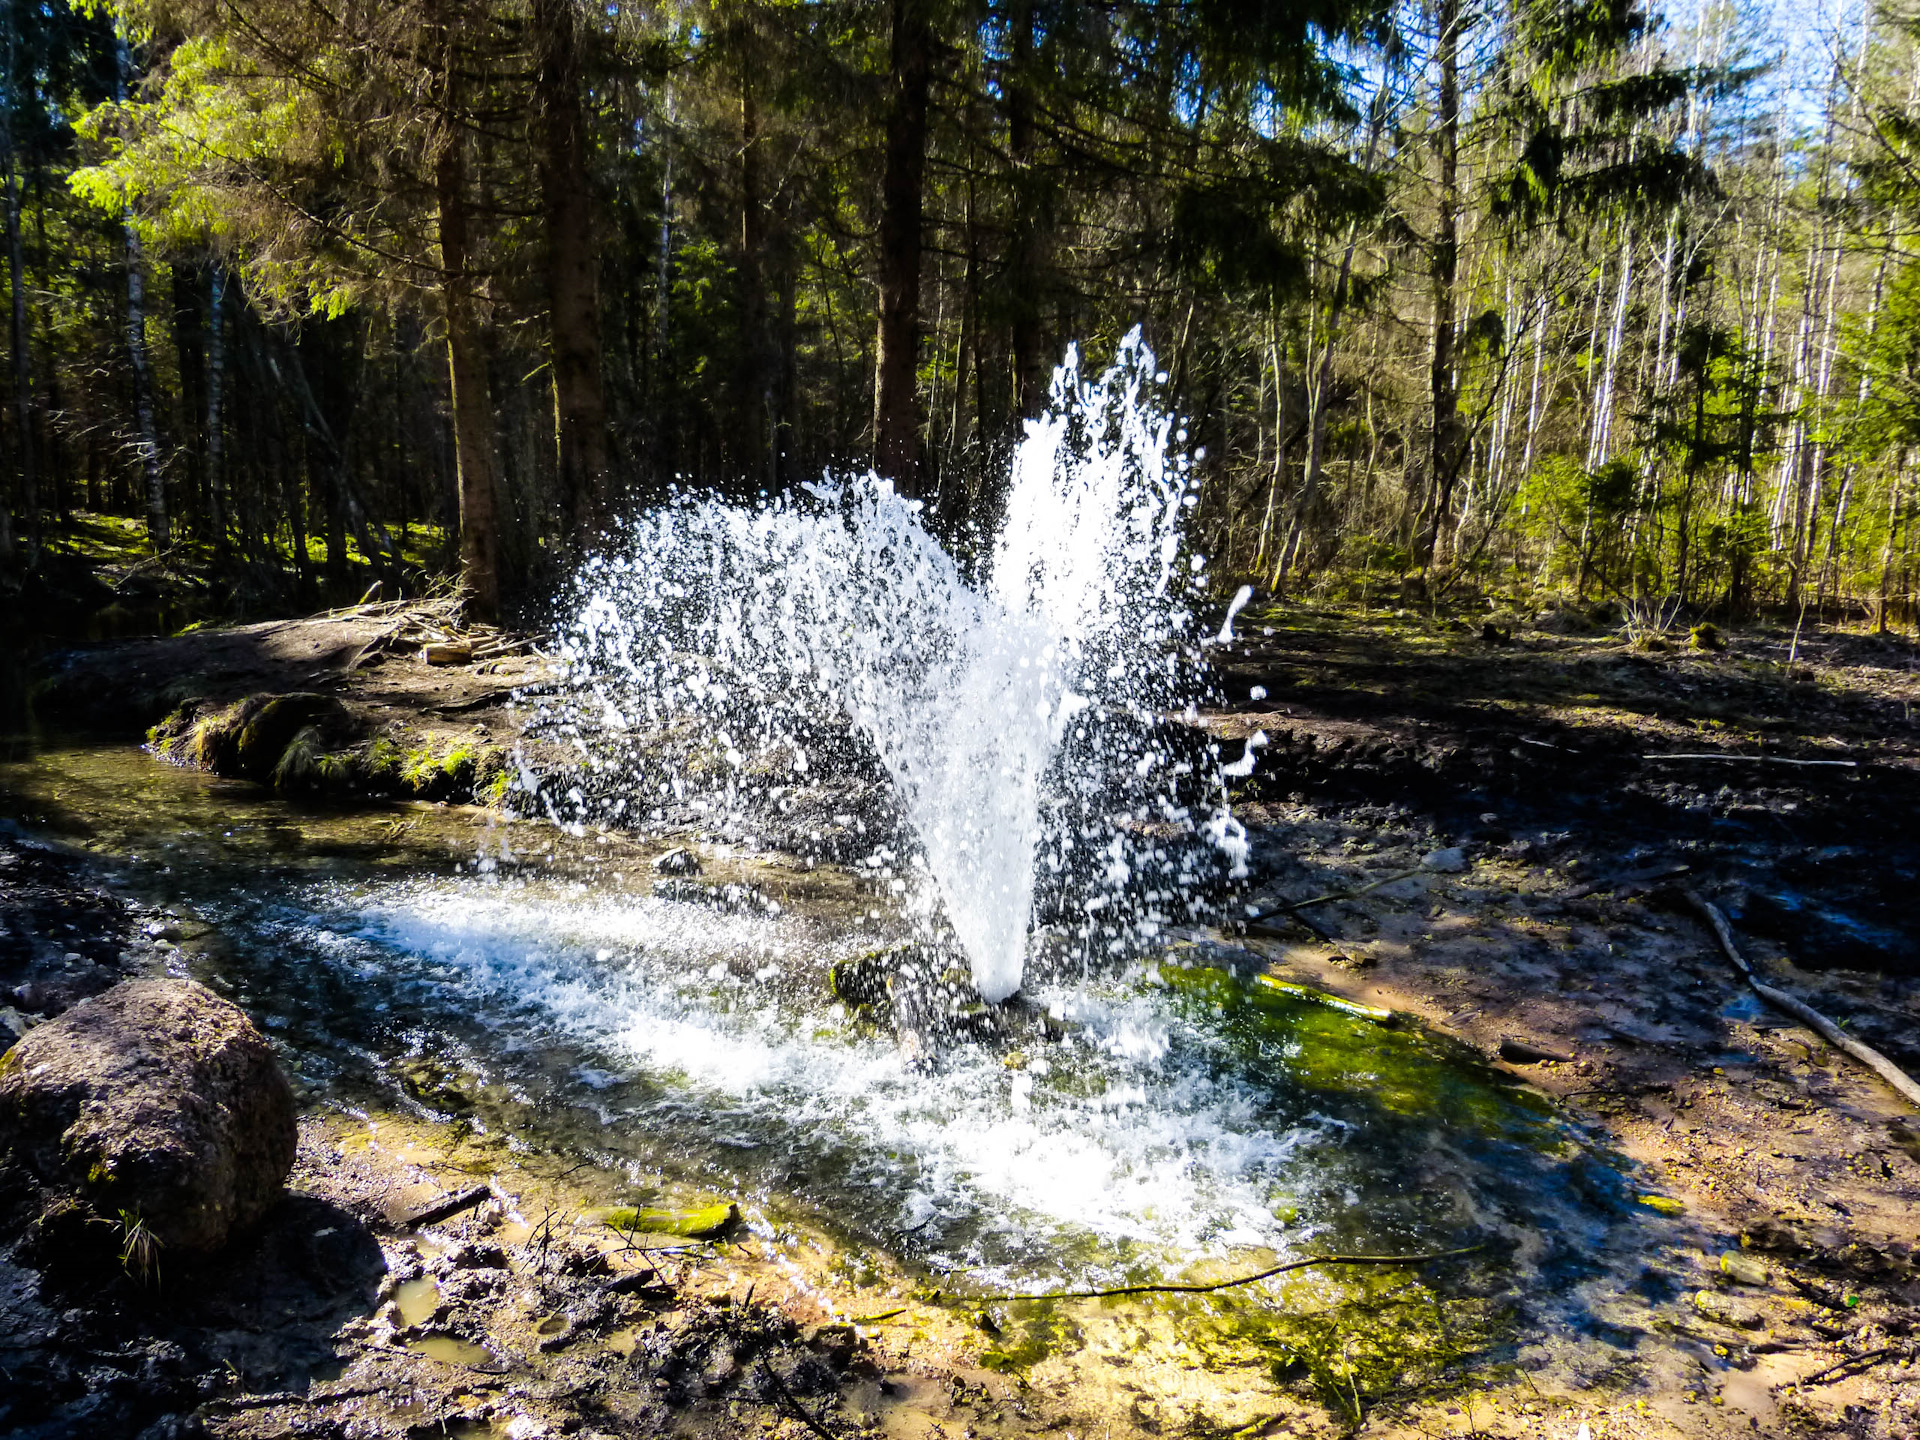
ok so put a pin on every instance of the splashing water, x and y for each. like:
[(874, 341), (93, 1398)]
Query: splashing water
[(1018, 720)]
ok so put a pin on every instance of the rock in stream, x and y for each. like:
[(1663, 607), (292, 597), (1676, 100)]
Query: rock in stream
[(156, 1105)]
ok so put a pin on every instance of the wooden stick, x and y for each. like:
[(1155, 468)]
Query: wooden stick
[(1871, 1357), (1290, 907), (1230, 1284), (1803, 1012), (1723, 932), (1757, 759), (807, 1416), (451, 1207)]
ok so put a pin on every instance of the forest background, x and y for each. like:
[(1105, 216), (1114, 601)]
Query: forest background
[(1479, 298)]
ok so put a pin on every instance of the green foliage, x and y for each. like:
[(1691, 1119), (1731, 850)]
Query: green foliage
[(1888, 352)]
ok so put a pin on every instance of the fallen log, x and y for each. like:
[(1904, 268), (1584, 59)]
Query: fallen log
[(1902, 1082)]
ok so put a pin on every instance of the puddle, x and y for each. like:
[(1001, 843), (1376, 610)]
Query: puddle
[(453, 1351), (416, 1302)]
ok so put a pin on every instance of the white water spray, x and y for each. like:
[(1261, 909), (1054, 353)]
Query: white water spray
[(753, 617)]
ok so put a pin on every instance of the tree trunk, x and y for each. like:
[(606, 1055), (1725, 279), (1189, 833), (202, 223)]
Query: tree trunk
[(189, 339), (896, 406), (1443, 454), (756, 361), (22, 354), (1321, 387), (1886, 548), (472, 404), (28, 490), (148, 439), (1023, 249), (573, 272), (216, 395)]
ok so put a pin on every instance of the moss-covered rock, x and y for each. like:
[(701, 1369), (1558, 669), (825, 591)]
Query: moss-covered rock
[(250, 738), (309, 744)]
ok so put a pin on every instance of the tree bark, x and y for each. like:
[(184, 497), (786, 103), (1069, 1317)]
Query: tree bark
[(573, 271), (216, 395), (22, 354), (758, 370), (472, 403), (1023, 249), (28, 490), (147, 440), (189, 339), (896, 404), (1443, 454)]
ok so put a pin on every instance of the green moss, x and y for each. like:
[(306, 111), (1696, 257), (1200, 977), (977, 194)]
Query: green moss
[(299, 764), (337, 772), (1026, 1333), (430, 774), (419, 770), (699, 1224), (1364, 1339), (383, 763), (493, 793)]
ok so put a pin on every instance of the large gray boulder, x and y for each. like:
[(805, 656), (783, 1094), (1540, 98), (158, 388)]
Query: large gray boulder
[(156, 1102)]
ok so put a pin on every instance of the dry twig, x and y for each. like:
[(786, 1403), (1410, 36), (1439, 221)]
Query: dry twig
[(805, 1415), (1758, 759), (1208, 1289), (1902, 1082), (1291, 908), (1871, 1357)]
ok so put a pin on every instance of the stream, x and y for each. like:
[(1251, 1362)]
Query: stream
[(1175, 1117)]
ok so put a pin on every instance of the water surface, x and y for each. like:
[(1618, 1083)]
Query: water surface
[(529, 981)]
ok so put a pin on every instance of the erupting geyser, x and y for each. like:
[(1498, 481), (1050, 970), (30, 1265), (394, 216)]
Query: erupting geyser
[(1017, 716)]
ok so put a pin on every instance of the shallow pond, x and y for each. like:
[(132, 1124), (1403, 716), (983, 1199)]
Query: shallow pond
[(1187, 1120)]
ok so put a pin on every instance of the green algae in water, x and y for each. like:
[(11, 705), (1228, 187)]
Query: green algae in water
[(1422, 1132), (1025, 1333), (1356, 1340), (1431, 1148), (1320, 1051)]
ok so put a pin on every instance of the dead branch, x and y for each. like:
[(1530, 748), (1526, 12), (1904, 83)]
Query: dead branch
[(806, 1416), (1853, 1362), (1291, 908), (450, 1207), (1208, 1289), (1800, 1010), (1758, 760)]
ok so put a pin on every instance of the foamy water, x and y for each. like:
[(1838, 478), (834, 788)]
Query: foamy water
[(1131, 1132), (986, 703)]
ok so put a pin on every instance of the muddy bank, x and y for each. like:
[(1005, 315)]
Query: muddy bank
[(398, 700), (1796, 781)]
